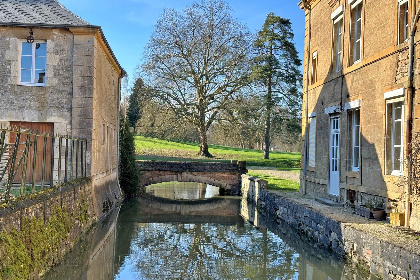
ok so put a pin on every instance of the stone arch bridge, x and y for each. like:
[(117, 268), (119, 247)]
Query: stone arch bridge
[(226, 176)]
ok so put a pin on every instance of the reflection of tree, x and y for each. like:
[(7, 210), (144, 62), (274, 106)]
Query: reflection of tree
[(204, 251)]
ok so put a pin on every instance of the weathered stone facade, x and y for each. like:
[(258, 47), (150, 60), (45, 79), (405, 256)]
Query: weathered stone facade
[(81, 93), (370, 86)]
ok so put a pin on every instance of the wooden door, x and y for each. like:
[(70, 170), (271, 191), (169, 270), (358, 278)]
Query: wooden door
[(39, 129)]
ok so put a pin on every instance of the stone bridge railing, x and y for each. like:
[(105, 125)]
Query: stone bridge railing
[(226, 176)]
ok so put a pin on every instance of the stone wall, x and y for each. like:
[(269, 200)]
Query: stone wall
[(37, 230), (226, 176), (390, 259)]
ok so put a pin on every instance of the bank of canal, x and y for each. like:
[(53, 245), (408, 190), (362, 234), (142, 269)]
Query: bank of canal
[(158, 238)]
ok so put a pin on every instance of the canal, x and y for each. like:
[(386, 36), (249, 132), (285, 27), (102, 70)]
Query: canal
[(186, 231)]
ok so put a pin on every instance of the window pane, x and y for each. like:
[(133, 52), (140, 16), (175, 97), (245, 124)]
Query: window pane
[(40, 62), (356, 157), (357, 51), (41, 49), (39, 76), (398, 111), (26, 62), (356, 136), (26, 48), (25, 76), (397, 155), (397, 133)]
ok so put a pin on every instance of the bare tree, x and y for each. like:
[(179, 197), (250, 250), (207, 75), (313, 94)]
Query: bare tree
[(196, 61)]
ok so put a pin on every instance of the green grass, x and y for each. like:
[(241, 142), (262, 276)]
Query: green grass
[(156, 149), (277, 184)]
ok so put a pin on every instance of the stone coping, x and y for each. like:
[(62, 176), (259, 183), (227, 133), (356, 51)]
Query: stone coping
[(402, 237)]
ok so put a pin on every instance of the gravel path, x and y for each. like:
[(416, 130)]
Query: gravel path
[(272, 171)]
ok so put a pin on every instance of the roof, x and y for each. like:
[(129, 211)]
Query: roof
[(38, 12), (45, 13)]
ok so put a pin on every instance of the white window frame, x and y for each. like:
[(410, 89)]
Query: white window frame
[(312, 140), (393, 121), (314, 74), (33, 69), (355, 132), (405, 20), (354, 31), (337, 18)]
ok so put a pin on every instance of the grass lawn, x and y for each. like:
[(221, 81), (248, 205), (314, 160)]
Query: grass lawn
[(156, 149)]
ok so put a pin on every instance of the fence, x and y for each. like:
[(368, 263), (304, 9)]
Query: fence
[(30, 162)]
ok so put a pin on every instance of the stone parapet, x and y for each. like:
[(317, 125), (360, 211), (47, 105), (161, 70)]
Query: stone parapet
[(384, 250)]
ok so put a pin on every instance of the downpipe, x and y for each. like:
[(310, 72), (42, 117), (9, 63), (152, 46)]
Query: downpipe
[(409, 116)]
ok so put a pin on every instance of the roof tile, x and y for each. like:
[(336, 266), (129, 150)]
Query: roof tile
[(48, 12)]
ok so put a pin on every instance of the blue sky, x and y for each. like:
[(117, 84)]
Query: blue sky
[(128, 24)]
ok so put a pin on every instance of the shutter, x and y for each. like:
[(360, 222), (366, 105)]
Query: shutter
[(312, 141)]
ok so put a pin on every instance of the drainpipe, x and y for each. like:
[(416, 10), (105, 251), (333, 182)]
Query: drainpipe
[(409, 116), (304, 5)]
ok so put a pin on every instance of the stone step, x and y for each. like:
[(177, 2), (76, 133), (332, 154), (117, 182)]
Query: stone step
[(329, 202)]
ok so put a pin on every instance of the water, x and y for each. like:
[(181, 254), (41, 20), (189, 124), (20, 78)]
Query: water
[(159, 238)]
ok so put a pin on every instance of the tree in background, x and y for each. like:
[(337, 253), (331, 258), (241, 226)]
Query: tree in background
[(197, 61), (138, 98), (277, 70), (128, 173), (159, 121)]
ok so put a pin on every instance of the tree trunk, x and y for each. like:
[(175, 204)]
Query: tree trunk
[(204, 148), (269, 103)]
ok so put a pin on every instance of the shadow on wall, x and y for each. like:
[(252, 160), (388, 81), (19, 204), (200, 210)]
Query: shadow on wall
[(342, 158)]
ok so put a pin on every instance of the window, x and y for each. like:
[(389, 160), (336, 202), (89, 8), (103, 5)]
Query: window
[(33, 61), (356, 31), (314, 65), (402, 21), (312, 141), (337, 18), (354, 122), (395, 136)]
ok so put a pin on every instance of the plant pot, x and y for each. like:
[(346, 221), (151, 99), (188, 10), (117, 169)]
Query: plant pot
[(379, 214), (363, 211)]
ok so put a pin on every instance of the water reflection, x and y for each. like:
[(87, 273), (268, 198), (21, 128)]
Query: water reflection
[(183, 190), (208, 239)]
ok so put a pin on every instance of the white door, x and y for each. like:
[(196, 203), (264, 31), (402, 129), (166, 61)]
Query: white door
[(334, 155)]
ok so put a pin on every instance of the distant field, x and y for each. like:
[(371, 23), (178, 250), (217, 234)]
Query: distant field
[(156, 149)]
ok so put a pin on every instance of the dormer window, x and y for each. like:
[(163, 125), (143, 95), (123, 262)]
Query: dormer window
[(33, 63)]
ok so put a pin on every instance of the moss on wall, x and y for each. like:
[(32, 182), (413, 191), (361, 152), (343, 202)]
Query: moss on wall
[(25, 253)]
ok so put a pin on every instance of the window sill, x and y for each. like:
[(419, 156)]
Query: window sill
[(311, 168), (32, 85), (353, 174), (397, 173)]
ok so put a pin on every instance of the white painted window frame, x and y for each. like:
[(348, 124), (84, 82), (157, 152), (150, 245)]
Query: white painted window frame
[(354, 30), (355, 128), (337, 18), (392, 121), (314, 74), (32, 82), (405, 19)]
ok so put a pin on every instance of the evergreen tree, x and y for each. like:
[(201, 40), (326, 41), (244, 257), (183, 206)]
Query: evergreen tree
[(128, 172), (276, 69)]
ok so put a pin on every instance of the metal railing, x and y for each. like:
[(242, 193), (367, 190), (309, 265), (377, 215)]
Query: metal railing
[(29, 162)]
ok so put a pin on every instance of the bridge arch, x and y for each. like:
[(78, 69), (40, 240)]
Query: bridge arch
[(226, 176)]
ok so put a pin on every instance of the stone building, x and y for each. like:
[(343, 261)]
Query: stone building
[(360, 105), (58, 75)]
